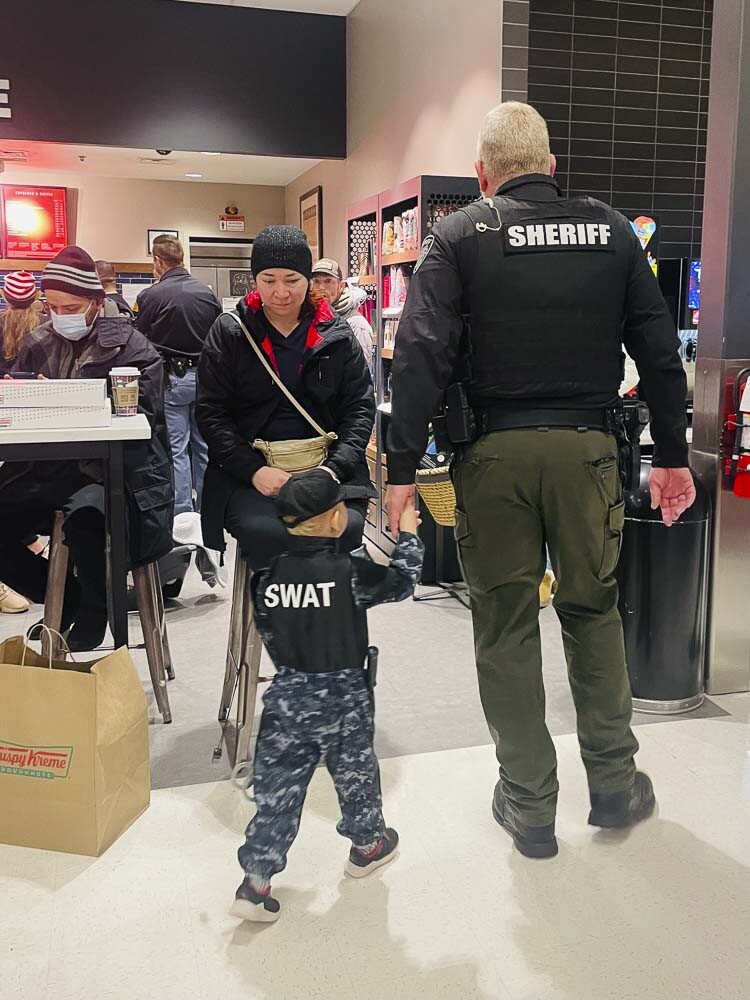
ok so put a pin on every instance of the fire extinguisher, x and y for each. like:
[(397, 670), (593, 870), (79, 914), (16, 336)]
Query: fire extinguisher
[(737, 424)]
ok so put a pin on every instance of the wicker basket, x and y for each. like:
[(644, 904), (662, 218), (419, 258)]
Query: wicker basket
[(436, 489)]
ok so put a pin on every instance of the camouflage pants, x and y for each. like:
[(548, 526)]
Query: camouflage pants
[(306, 718)]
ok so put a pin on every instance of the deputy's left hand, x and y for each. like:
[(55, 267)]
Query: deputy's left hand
[(673, 490)]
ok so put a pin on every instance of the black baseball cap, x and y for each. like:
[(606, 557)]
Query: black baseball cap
[(308, 494)]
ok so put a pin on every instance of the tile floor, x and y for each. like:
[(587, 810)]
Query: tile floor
[(427, 696), (660, 914)]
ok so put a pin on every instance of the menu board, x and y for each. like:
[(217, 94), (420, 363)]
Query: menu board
[(35, 223)]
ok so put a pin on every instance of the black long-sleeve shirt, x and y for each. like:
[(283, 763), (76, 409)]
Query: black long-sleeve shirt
[(552, 289)]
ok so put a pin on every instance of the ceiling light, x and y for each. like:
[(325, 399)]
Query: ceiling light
[(210, 154), (193, 175)]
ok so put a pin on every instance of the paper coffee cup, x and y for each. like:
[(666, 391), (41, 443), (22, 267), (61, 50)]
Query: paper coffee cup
[(125, 391)]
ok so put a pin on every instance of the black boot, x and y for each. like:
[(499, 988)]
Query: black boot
[(89, 629), (531, 841), (615, 810)]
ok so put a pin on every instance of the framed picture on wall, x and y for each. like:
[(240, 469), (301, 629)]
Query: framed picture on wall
[(153, 233), (311, 220)]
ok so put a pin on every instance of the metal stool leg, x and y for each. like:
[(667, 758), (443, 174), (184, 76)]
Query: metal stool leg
[(146, 580), (252, 648), (234, 646), (57, 575), (167, 653)]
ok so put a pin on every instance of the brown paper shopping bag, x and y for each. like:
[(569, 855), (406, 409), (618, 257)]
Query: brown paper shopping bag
[(74, 750)]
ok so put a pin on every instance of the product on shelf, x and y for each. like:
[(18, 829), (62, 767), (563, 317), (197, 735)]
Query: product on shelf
[(387, 289), (389, 334), (398, 229), (398, 287), (411, 229), (389, 238)]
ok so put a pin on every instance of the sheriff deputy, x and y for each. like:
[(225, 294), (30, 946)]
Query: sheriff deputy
[(533, 296)]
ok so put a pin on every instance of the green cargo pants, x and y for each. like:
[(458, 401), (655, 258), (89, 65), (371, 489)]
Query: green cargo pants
[(518, 491)]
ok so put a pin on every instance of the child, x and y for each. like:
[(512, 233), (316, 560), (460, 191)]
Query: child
[(310, 609)]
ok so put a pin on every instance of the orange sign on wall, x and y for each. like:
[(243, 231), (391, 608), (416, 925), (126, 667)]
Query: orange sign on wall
[(35, 221)]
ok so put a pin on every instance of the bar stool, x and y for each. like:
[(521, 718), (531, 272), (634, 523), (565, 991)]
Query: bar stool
[(150, 609), (242, 673)]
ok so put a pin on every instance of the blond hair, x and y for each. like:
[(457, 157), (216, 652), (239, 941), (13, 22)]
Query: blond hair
[(15, 324), (514, 140)]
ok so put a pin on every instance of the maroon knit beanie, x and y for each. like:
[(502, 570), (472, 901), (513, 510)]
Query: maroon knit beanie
[(73, 271)]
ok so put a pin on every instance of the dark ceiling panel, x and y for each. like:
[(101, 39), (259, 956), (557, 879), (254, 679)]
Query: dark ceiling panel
[(158, 74)]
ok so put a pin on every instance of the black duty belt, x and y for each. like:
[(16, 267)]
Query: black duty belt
[(498, 419)]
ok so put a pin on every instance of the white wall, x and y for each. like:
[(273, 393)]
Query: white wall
[(114, 215), (422, 73)]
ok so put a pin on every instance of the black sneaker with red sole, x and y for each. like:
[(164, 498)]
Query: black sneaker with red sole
[(360, 865), (259, 907)]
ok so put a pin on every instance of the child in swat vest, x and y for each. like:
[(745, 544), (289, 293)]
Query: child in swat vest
[(311, 611)]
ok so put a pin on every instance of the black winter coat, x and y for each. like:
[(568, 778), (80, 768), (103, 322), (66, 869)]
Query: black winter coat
[(237, 398), (176, 314), (149, 478)]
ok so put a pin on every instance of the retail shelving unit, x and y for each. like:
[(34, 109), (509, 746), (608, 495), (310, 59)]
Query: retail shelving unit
[(433, 198), (362, 241)]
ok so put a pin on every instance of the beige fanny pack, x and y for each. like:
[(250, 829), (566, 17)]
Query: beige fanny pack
[(291, 456)]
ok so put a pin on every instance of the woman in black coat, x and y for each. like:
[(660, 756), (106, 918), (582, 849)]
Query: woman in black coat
[(316, 357)]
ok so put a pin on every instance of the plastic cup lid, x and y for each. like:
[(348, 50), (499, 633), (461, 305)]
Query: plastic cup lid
[(124, 371)]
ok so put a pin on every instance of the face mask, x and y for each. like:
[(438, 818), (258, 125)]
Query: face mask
[(74, 327)]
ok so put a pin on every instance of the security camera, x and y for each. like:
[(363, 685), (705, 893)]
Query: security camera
[(163, 152)]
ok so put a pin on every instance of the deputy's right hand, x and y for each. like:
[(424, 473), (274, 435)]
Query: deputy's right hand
[(673, 490), (269, 481)]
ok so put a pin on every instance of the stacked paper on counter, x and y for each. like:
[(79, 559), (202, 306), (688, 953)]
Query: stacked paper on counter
[(54, 403)]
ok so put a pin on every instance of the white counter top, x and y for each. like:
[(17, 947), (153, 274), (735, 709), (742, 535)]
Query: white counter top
[(135, 428)]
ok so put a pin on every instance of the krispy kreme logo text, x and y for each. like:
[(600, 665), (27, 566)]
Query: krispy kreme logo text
[(35, 762)]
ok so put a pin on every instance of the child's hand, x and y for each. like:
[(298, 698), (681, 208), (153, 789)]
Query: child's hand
[(409, 521)]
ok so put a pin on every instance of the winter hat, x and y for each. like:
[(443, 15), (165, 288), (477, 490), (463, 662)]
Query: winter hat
[(330, 267), (281, 246), (20, 289), (74, 272), (308, 494)]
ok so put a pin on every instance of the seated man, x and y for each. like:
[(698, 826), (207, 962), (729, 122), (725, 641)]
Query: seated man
[(85, 337)]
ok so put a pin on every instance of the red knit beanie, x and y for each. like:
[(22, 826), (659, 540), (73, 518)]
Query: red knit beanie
[(19, 289), (73, 271)]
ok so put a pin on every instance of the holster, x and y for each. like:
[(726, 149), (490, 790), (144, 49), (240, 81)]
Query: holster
[(176, 366), (371, 668), (626, 423), (461, 425)]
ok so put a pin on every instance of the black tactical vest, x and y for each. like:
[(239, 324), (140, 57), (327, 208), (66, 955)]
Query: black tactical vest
[(545, 285)]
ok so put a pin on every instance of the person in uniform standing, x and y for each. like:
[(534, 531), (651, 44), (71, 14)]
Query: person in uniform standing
[(176, 314), (528, 297)]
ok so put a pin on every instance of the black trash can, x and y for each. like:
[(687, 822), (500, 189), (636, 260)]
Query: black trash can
[(663, 578)]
